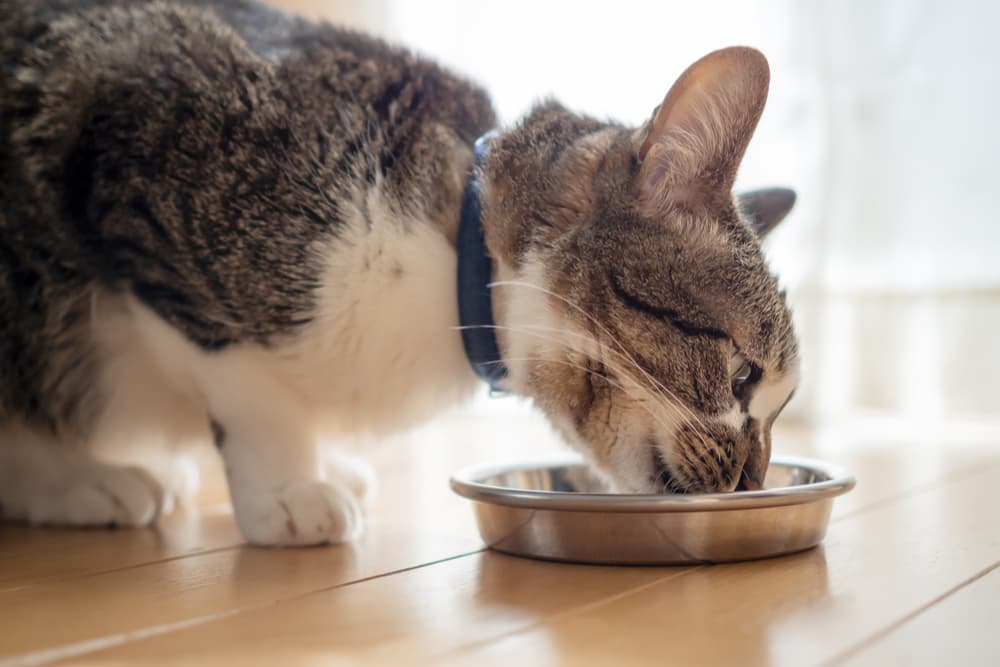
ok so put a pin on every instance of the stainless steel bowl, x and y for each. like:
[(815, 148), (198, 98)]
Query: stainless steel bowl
[(548, 509)]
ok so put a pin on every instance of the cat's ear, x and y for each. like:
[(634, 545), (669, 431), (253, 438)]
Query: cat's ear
[(690, 149), (763, 209)]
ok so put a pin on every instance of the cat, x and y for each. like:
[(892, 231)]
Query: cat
[(221, 222)]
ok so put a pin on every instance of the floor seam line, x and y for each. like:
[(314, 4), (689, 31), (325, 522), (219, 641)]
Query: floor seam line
[(465, 648), (906, 618), (76, 649), (97, 573), (971, 471)]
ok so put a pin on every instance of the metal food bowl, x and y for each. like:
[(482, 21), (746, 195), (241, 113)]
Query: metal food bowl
[(551, 510)]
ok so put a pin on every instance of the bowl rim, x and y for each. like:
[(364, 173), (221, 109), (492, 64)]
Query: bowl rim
[(468, 482)]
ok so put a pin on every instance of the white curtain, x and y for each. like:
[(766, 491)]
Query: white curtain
[(884, 117)]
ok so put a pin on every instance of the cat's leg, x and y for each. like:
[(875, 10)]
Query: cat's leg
[(278, 482), (174, 470), (45, 481), (352, 472), (147, 418)]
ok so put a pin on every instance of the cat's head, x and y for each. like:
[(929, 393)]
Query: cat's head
[(633, 302)]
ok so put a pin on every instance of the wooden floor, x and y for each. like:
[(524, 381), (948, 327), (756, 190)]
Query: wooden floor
[(907, 575)]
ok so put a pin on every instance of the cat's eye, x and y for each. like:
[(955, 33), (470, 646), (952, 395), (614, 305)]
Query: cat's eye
[(740, 369)]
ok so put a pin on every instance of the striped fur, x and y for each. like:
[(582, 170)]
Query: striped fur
[(222, 223)]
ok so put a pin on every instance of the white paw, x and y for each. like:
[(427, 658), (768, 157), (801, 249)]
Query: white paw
[(101, 495), (301, 513)]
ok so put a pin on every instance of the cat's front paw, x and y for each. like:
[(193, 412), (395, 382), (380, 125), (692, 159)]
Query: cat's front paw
[(99, 495), (299, 514)]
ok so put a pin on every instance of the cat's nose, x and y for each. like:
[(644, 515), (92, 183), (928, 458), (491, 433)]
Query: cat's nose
[(755, 467)]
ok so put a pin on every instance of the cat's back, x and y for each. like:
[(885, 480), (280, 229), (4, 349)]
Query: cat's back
[(270, 32), (196, 154), (144, 67), (337, 63), (178, 93)]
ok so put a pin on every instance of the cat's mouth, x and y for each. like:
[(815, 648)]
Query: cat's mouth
[(665, 482), (747, 483)]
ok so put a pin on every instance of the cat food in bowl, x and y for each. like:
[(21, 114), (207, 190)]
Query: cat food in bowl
[(553, 510)]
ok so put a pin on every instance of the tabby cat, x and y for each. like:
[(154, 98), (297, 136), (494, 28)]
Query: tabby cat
[(223, 222)]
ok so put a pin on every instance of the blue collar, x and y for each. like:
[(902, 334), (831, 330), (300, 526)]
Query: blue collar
[(475, 273)]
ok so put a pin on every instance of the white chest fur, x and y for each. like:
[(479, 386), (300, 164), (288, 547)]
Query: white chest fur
[(384, 350)]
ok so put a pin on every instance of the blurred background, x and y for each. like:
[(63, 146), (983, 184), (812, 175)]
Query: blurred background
[(882, 115)]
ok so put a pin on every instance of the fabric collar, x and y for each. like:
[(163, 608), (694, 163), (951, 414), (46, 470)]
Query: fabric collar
[(475, 273)]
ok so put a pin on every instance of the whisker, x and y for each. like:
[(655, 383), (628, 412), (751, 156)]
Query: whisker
[(671, 484), (528, 330), (613, 338), (670, 400), (618, 370), (640, 402), (687, 417)]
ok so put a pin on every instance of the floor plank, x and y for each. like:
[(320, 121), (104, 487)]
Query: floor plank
[(129, 600), (406, 618), (886, 472), (496, 609), (29, 556), (960, 629)]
